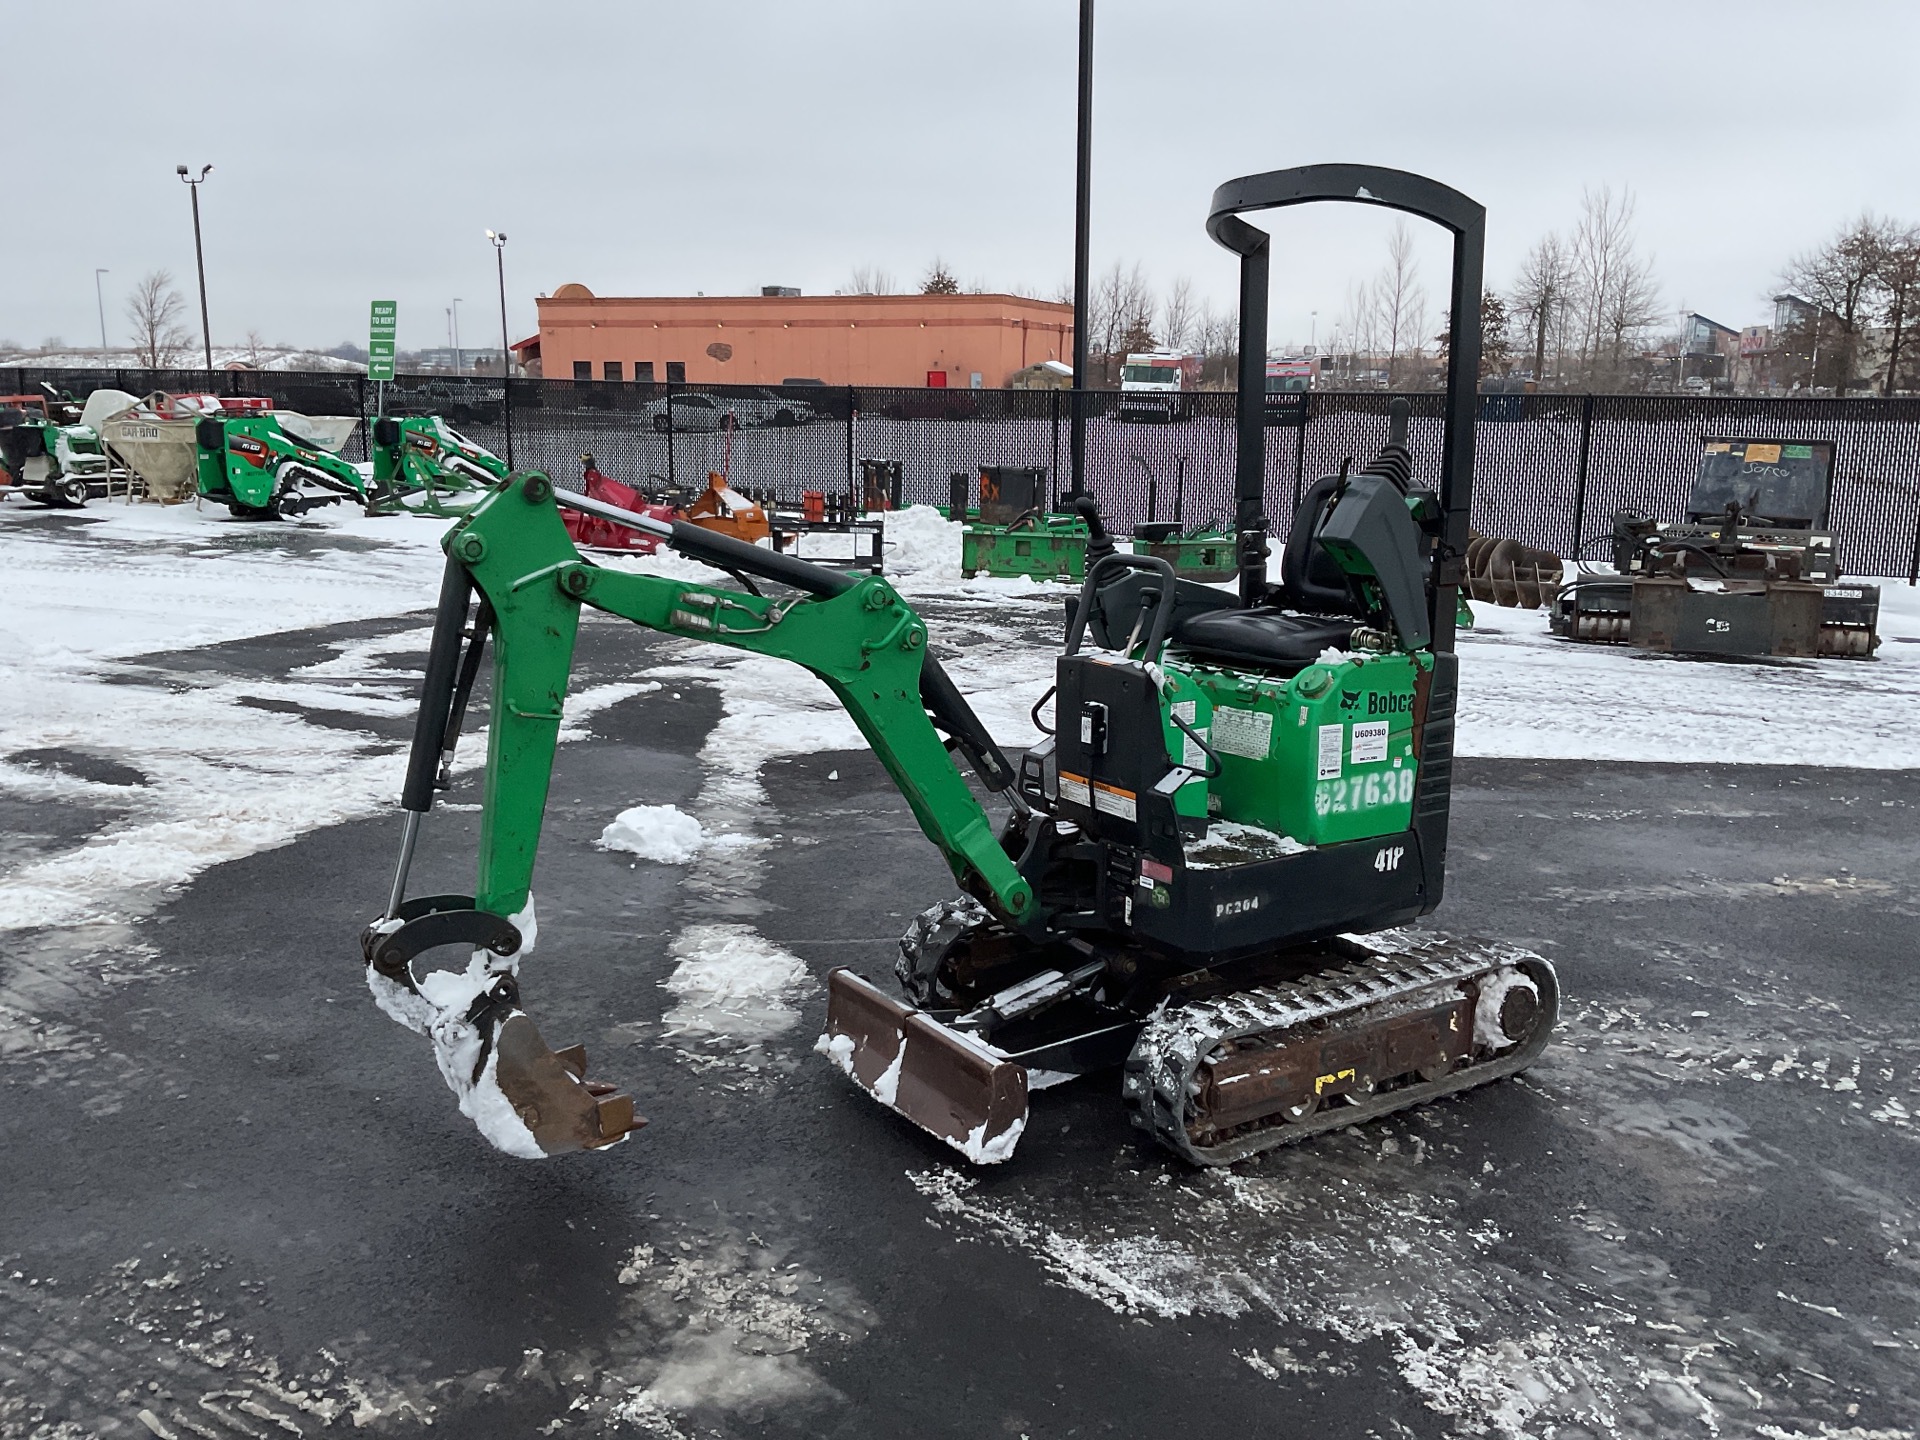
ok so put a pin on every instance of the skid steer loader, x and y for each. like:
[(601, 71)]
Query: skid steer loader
[(1199, 879), (269, 466)]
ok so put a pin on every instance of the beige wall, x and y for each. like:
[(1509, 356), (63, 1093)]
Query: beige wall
[(841, 339)]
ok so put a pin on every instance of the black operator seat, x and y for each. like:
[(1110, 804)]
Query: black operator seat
[(1318, 607)]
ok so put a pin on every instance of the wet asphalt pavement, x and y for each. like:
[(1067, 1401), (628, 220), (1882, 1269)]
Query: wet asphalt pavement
[(237, 1200)]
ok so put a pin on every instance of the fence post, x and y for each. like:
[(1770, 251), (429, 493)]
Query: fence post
[(1580, 491), (669, 400), (1300, 453), (853, 421), (1055, 505), (506, 403), (1913, 567), (360, 400)]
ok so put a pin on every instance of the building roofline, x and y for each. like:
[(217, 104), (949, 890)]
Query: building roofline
[(801, 301)]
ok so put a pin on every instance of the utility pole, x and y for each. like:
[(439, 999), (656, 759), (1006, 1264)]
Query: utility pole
[(499, 239), (1083, 168), (200, 260), (455, 312), (102, 305), (1540, 337)]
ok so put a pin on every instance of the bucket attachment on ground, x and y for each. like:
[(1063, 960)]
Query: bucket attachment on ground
[(946, 1082)]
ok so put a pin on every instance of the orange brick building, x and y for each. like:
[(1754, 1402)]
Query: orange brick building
[(956, 341)]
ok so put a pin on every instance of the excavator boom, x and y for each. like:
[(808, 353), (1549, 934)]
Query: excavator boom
[(512, 554)]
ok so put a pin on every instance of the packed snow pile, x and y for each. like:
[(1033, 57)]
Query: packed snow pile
[(733, 982), (655, 832), (923, 545)]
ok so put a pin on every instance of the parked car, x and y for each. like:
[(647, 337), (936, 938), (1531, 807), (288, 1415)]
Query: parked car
[(774, 408), (695, 412)]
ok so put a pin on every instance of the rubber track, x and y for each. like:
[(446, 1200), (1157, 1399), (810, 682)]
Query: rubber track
[(1387, 970)]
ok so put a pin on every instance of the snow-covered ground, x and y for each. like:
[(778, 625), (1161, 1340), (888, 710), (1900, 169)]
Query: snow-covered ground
[(227, 777), (83, 599), (255, 357)]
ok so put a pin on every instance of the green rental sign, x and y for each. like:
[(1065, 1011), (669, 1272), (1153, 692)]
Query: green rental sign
[(380, 332)]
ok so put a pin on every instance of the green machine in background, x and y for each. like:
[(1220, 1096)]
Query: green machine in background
[(1202, 552), (263, 467), (424, 465), (1012, 532)]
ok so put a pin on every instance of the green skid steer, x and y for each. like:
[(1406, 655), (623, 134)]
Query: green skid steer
[(1200, 881), (262, 468)]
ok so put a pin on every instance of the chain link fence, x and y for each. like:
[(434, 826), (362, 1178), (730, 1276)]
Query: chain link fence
[(1550, 470)]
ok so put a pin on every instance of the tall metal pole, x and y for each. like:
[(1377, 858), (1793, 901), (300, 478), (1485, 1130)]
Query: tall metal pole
[(499, 239), (102, 304), (455, 313), (1083, 172), (200, 260)]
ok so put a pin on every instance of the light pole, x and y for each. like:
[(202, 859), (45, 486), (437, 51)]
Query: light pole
[(102, 306), (455, 312), (499, 239), (1082, 184), (199, 259)]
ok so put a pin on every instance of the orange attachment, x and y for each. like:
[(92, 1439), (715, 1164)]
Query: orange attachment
[(813, 505), (726, 511)]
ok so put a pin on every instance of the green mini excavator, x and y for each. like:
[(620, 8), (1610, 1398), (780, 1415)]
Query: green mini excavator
[(1200, 881)]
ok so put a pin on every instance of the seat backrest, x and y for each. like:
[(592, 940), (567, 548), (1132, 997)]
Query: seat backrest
[(1310, 579)]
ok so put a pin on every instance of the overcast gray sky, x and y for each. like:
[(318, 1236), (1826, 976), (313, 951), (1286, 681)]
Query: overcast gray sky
[(360, 149)]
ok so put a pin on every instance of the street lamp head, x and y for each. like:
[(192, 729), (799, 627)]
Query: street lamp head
[(179, 169), (498, 237), (205, 170)]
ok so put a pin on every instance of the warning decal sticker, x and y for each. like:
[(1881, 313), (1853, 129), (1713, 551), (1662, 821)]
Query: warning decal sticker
[(1332, 742), (1246, 733)]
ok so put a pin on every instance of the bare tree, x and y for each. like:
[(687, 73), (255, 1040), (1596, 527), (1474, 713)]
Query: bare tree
[(256, 348), (1899, 280), (1178, 315), (1401, 301), (1122, 320), (869, 280), (1216, 337), (1614, 297), (154, 310), (1841, 278), (939, 280), (1360, 323), (1539, 298)]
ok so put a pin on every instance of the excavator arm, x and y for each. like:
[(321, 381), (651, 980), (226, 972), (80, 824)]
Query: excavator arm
[(513, 555)]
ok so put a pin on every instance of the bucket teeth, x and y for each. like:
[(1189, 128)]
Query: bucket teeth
[(549, 1091)]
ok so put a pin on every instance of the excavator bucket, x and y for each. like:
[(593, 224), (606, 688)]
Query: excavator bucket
[(551, 1094), (946, 1082)]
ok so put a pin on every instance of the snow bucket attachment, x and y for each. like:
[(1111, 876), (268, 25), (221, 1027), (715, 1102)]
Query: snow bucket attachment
[(943, 1080)]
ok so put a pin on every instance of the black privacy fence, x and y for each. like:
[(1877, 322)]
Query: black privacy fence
[(1549, 469)]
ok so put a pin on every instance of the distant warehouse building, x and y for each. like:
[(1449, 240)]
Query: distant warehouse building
[(945, 341)]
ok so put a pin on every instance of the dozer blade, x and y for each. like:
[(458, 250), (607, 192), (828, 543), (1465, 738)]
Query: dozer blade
[(551, 1094), (946, 1082)]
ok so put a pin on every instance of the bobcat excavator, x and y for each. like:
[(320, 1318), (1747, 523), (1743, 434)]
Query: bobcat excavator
[(1199, 879)]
